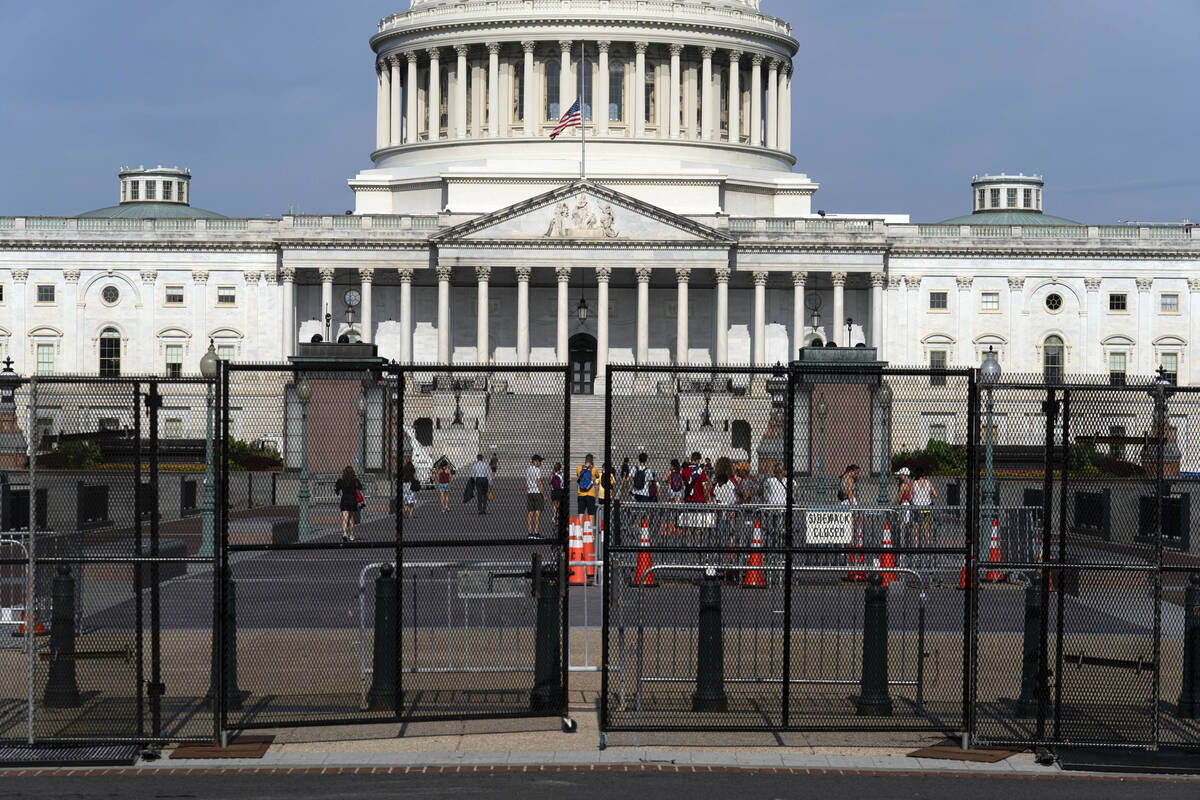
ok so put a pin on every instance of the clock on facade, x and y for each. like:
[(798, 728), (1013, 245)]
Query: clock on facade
[(353, 298)]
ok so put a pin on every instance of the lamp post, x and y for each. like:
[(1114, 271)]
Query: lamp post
[(303, 394), (360, 404), (883, 396), (1160, 390), (989, 374), (457, 386), (705, 419), (849, 329), (208, 370), (777, 387), (822, 412)]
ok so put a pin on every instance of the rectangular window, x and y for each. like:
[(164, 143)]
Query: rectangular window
[(989, 301), (108, 424), (45, 293), (995, 198), (981, 200), (226, 352), (45, 359), (124, 188), (173, 428), (174, 360), (1170, 365), (1028, 198), (1116, 369), (1169, 304), (133, 189), (44, 427), (179, 191), (937, 360), (151, 190), (937, 432), (167, 189), (1118, 301), (1037, 193), (938, 301), (226, 295), (174, 295), (1012, 198), (1, 292)]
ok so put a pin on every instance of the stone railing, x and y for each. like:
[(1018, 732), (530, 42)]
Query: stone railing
[(1184, 231), (802, 225)]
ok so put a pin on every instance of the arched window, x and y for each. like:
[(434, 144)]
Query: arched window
[(1053, 358), (551, 98), (616, 92), (110, 353)]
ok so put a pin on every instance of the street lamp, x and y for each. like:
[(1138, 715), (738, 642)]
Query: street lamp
[(360, 404), (989, 374), (208, 370), (705, 419), (822, 412), (1160, 390), (883, 396), (303, 394), (457, 387), (849, 330)]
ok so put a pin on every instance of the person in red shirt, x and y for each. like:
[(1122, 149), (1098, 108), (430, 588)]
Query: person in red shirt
[(695, 490)]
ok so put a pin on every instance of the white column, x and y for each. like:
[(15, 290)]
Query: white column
[(482, 275), (965, 314), (785, 136), (673, 106), (366, 279), (721, 276), (756, 99), (564, 281), (435, 95), (760, 317), (396, 126), (798, 308), (327, 274), (706, 100), (643, 314), (876, 313), (1093, 358), (773, 103), (1194, 324), (493, 89), (639, 89), (912, 303), (735, 96), (412, 132), (523, 274), (287, 280), (682, 276), (531, 105), (1016, 356), (600, 109), (602, 277), (460, 91), (565, 90), (895, 322), (838, 323), (381, 108), (1145, 349), (406, 278), (443, 315)]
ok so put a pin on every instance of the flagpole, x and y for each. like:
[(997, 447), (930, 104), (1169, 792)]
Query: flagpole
[(582, 116)]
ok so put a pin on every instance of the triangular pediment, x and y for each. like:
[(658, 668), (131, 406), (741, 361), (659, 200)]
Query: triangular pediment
[(581, 211)]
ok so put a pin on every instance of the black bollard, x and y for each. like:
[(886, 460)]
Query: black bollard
[(547, 695), (1027, 703), (61, 689), (873, 697), (382, 696), (233, 695), (710, 649), (1189, 695)]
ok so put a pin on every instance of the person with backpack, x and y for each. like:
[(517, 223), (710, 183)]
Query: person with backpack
[(557, 492), (695, 492), (674, 482), (587, 477), (641, 480)]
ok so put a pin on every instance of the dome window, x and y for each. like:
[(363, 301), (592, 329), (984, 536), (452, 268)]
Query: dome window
[(110, 295), (1054, 301)]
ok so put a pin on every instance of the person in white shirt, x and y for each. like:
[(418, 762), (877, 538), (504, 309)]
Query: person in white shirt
[(535, 498), (776, 488), (640, 478), (481, 475)]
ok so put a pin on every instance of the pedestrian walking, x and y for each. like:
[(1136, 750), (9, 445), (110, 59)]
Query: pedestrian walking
[(695, 492), (409, 486), (641, 480), (494, 464), (675, 482), (749, 490), (557, 489), (535, 498), (924, 494), (445, 477), (481, 477), (904, 495), (775, 488), (587, 479), (350, 499), (846, 485), (625, 470)]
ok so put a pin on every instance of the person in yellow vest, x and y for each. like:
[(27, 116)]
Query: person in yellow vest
[(587, 478)]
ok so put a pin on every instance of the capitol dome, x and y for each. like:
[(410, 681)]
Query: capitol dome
[(685, 104), (153, 193)]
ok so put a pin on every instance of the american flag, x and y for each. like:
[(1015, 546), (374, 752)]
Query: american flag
[(571, 119)]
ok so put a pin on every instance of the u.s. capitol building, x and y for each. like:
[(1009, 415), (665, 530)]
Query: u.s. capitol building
[(692, 238)]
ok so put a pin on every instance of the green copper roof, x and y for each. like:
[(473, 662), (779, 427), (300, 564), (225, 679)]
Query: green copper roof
[(152, 211), (1008, 218)]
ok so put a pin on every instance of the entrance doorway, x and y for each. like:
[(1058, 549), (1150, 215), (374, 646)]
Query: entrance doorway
[(582, 352)]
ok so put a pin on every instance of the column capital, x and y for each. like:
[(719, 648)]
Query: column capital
[(394, 60), (1092, 284), (735, 56), (721, 274), (602, 45), (683, 274), (760, 277), (643, 274), (1016, 283), (528, 46), (461, 50), (707, 52), (271, 277), (756, 59), (773, 64), (287, 274), (877, 278), (483, 273), (199, 276), (675, 48), (250, 277), (381, 65), (565, 44), (837, 278), (524, 274), (366, 274), (894, 282), (563, 274), (411, 56), (799, 278), (913, 282), (443, 272), (640, 47), (406, 274), (1144, 284), (433, 52), (604, 274), (72, 276), (20, 275), (327, 274), (1193, 284), (964, 282), (493, 48)]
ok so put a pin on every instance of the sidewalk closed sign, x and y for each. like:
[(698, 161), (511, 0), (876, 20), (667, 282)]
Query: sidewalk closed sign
[(828, 527)]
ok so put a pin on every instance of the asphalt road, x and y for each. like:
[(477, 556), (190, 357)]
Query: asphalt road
[(592, 786)]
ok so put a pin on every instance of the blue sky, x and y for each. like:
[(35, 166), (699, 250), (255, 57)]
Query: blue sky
[(895, 104)]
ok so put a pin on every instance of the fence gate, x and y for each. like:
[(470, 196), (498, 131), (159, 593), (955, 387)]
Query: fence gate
[(320, 627)]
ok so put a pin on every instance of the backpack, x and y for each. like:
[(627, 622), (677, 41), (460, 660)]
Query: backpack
[(639, 479), (585, 480), (676, 481)]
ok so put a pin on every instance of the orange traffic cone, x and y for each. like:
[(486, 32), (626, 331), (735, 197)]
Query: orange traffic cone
[(962, 579), (38, 627), (644, 562), (887, 559), (578, 575), (589, 546), (754, 577), (994, 556), (857, 559)]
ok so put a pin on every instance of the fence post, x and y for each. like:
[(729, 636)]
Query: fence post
[(382, 696), (548, 695), (61, 688), (1189, 695), (710, 652), (224, 659), (1027, 704), (873, 699)]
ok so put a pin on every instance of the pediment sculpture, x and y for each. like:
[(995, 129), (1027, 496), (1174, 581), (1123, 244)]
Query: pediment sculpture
[(579, 221)]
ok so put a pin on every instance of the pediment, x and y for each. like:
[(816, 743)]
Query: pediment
[(582, 212)]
